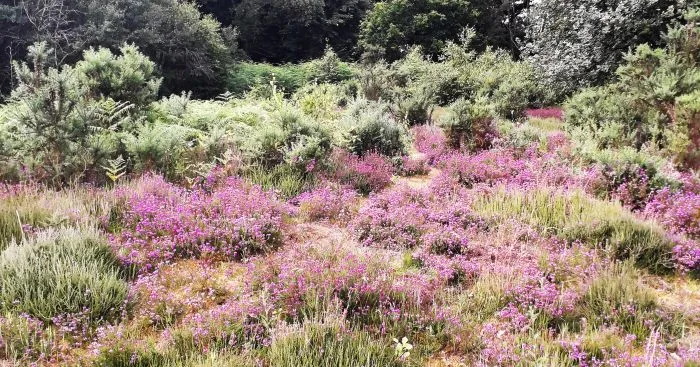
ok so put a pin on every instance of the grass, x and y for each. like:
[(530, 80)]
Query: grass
[(66, 271), (617, 296), (547, 124), (24, 338), (316, 344), (37, 208), (576, 217), (283, 179)]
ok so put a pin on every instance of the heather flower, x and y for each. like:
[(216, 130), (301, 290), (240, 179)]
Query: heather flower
[(431, 141), (160, 222), (368, 173), (326, 203), (678, 211), (546, 113)]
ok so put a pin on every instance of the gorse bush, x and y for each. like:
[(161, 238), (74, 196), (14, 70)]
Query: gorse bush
[(469, 125), (371, 129), (65, 271)]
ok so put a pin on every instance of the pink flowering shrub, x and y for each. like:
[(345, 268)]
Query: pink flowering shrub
[(299, 279), (686, 256), (327, 202), (546, 113), (156, 222), (431, 141), (505, 166), (678, 211), (414, 166), (366, 174)]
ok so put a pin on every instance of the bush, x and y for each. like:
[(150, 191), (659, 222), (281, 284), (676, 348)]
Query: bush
[(371, 129), (366, 174), (161, 222), (602, 113), (245, 76), (63, 129), (129, 77), (510, 86), (652, 101), (469, 125), (67, 271)]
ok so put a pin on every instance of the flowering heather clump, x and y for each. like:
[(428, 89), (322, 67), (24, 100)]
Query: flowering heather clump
[(366, 174), (677, 211), (414, 166), (545, 113), (160, 222), (327, 202), (504, 166), (686, 255), (431, 141), (300, 279)]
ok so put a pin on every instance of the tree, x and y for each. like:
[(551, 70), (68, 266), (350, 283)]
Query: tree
[(581, 43), (193, 51), (393, 26), (290, 31)]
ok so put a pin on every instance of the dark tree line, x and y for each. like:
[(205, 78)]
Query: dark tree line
[(194, 44)]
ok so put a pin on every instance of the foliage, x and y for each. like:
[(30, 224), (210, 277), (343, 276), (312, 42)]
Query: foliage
[(366, 174), (61, 126), (511, 86), (306, 27), (578, 218), (128, 77), (649, 104), (581, 44), (160, 222), (67, 271), (192, 50), (469, 125), (371, 128), (617, 293)]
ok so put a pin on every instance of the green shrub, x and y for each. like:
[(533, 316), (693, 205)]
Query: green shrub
[(372, 129), (576, 217), (245, 76), (321, 101), (320, 345), (129, 77), (602, 113), (510, 86), (469, 125), (329, 69), (652, 102), (167, 148), (64, 124), (66, 271)]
